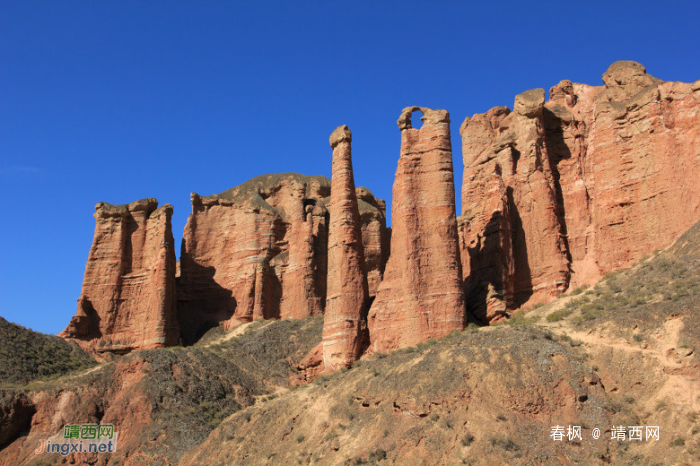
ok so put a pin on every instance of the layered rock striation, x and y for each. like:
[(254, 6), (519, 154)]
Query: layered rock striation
[(420, 296), (558, 193), (347, 293), (128, 296), (260, 251)]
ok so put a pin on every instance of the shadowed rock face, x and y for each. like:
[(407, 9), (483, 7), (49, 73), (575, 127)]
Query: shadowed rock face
[(595, 178), (421, 296), (347, 278), (512, 235), (260, 250), (128, 296)]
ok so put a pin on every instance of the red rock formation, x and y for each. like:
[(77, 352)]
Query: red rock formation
[(610, 174), (258, 250), (375, 236), (639, 165), (241, 247), (128, 296), (487, 260), (421, 296), (347, 293), (507, 150)]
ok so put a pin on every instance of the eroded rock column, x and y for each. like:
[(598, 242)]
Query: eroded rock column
[(347, 277), (421, 295), (128, 296)]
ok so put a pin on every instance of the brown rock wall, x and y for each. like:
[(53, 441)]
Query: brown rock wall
[(260, 250)]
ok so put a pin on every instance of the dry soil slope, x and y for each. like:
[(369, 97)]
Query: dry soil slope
[(163, 402), (639, 328), (621, 354), (476, 397)]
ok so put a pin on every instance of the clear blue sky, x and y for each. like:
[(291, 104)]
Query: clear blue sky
[(116, 101)]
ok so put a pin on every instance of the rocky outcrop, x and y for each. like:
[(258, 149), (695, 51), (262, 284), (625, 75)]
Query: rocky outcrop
[(249, 252), (375, 236), (16, 411), (260, 250), (128, 296), (512, 236), (420, 296), (347, 293), (487, 260), (594, 179)]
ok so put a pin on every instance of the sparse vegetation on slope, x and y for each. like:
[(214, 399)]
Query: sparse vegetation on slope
[(638, 327), (166, 401), (475, 397), (26, 355)]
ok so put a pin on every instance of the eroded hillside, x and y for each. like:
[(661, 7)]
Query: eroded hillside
[(623, 353), (162, 402)]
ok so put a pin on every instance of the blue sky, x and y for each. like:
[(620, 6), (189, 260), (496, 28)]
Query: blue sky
[(116, 101)]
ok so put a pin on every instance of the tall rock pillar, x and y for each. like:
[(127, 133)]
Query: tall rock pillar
[(128, 296), (347, 277), (421, 295)]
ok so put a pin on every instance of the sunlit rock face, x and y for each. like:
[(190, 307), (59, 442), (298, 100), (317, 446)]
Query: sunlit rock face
[(420, 296), (128, 296), (558, 193), (260, 251), (347, 293)]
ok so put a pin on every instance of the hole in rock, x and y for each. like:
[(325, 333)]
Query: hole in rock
[(416, 121)]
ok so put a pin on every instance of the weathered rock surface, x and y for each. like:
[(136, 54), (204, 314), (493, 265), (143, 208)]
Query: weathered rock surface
[(594, 178), (260, 250), (487, 261), (128, 296), (16, 411), (375, 236), (421, 296), (512, 235), (347, 293)]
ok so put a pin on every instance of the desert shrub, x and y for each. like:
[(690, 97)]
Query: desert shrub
[(26, 355), (677, 442), (467, 439), (561, 314), (505, 443)]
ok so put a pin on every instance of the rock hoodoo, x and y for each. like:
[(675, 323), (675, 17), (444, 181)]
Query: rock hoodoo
[(347, 292), (128, 296), (420, 296), (593, 179)]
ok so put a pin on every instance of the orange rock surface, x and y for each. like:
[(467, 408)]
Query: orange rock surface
[(128, 296), (260, 250), (420, 296), (347, 293), (595, 178)]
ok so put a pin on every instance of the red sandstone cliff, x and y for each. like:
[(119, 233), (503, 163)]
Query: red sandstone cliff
[(128, 296), (260, 250), (593, 179), (421, 296)]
